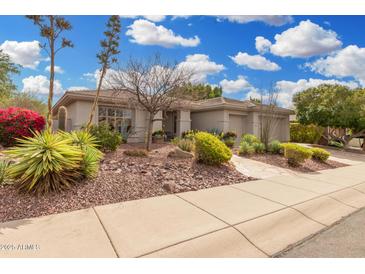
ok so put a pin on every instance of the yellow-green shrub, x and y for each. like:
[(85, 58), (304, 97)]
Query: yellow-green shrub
[(259, 147), (296, 154), (250, 139), (320, 154), (210, 150), (304, 133), (246, 148)]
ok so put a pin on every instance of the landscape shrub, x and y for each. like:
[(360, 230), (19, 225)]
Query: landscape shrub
[(45, 162), (275, 147), (229, 141), (296, 154), (189, 134), (320, 154), (250, 139), (304, 133), (17, 123), (89, 166), (107, 139), (246, 148), (335, 144), (210, 150), (259, 147), (186, 145), (229, 134), (158, 133), (136, 152), (4, 165)]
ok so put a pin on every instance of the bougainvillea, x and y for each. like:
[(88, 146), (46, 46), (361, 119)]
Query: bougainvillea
[(17, 123)]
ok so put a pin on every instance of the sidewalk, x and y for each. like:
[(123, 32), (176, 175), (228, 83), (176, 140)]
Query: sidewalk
[(253, 219)]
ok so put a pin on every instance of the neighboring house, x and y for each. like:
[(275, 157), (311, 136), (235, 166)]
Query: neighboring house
[(73, 108)]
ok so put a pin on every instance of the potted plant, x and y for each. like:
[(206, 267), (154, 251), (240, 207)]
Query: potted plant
[(158, 136)]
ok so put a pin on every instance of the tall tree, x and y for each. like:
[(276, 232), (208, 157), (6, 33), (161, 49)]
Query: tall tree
[(6, 69), (106, 57), (333, 106), (154, 86), (197, 92), (51, 28)]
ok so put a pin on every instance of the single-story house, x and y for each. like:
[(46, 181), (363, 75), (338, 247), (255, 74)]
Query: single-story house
[(72, 111)]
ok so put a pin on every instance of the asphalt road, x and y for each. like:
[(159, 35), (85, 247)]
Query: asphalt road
[(344, 240)]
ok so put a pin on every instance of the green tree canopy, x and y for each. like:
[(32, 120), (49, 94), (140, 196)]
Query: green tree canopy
[(6, 69), (202, 91), (334, 106)]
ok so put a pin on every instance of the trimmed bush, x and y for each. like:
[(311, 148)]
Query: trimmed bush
[(44, 163), (275, 147), (259, 147), (320, 154), (304, 133), (17, 123), (246, 148), (250, 139), (136, 152), (108, 139), (210, 150), (296, 154)]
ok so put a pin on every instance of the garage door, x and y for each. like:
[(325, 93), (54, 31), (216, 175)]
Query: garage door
[(237, 125)]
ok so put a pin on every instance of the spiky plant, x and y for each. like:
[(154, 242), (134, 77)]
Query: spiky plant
[(4, 166), (44, 163), (91, 154)]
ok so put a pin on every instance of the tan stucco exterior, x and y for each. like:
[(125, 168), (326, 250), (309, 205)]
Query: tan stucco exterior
[(218, 113)]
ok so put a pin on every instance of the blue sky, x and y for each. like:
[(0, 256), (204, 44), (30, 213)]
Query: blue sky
[(246, 55)]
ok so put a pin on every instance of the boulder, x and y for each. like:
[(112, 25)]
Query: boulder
[(170, 186), (180, 154)]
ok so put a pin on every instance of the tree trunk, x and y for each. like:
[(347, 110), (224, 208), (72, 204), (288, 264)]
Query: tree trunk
[(96, 99), (149, 132), (51, 76)]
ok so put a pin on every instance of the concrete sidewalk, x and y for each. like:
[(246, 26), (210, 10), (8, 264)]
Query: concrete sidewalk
[(253, 219)]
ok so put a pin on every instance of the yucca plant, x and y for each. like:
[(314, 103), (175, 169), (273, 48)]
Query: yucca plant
[(4, 166), (44, 163), (91, 154)]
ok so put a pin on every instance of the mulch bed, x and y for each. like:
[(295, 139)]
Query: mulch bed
[(122, 178), (309, 165)]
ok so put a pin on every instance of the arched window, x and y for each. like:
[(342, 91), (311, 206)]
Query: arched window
[(62, 118)]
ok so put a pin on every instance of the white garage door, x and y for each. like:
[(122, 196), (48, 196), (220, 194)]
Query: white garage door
[(237, 125)]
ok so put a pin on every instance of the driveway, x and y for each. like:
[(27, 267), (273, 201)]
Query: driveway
[(254, 219)]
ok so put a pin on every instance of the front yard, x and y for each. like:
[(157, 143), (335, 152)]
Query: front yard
[(122, 178)]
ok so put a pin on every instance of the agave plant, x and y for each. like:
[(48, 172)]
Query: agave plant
[(4, 166), (91, 154), (45, 162)]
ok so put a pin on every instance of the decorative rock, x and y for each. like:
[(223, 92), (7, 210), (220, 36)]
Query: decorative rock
[(170, 186), (180, 154)]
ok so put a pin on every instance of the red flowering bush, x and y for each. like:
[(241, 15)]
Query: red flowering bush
[(18, 122)]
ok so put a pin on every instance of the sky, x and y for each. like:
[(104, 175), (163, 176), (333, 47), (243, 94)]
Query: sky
[(246, 55)]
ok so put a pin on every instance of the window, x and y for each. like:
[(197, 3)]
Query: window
[(119, 119)]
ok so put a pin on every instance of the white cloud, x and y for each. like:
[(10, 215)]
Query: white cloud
[(40, 85), (262, 45), (234, 86), (272, 20), (305, 40), (201, 66), (286, 89), (256, 62), (78, 88), (26, 54), (147, 33), (154, 18), (347, 62), (94, 77), (57, 69)]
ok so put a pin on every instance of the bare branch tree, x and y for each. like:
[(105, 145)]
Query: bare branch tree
[(154, 85), (268, 110)]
